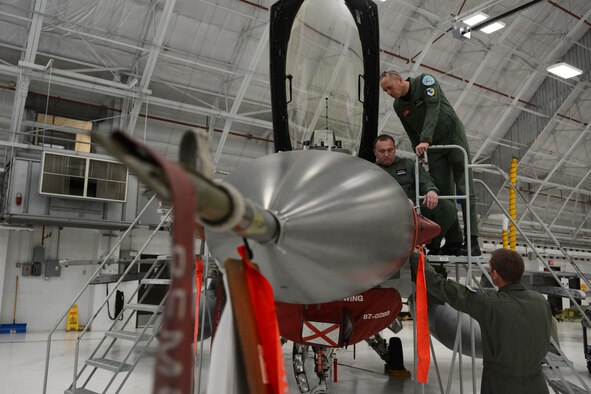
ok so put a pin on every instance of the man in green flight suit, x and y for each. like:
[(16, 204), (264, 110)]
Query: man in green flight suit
[(429, 119), (515, 323), (441, 212)]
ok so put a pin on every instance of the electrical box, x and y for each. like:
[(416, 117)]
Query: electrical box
[(38, 254), (52, 268), (26, 269), (38, 260)]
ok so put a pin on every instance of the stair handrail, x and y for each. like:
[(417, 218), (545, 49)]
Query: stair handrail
[(79, 374), (94, 275), (570, 365), (534, 249), (99, 309)]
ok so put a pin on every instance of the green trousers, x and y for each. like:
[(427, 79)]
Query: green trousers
[(446, 216), (447, 169)]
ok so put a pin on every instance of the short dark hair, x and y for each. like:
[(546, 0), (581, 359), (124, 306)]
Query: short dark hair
[(383, 137), (508, 264), (390, 74)]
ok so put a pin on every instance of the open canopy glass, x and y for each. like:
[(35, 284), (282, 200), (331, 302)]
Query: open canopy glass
[(324, 75), (325, 62)]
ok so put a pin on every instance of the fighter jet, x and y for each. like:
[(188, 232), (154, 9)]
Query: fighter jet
[(327, 227)]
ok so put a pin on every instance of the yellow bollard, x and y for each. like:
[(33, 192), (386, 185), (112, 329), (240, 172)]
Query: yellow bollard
[(512, 208)]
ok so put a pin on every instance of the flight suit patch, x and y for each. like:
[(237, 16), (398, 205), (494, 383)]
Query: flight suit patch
[(419, 102), (406, 112), (428, 80), (401, 172), (430, 92)]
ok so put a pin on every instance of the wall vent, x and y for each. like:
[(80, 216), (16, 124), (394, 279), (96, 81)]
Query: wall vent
[(82, 177)]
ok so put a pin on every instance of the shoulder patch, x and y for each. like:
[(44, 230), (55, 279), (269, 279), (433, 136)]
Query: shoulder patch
[(428, 80), (430, 92)]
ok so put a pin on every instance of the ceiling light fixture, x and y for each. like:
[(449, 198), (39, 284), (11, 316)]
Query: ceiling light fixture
[(492, 27), (15, 228), (564, 70), (475, 18)]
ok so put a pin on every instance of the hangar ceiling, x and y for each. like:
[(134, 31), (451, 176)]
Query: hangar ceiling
[(155, 68)]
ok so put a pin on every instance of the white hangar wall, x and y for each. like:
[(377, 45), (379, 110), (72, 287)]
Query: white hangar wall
[(42, 301)]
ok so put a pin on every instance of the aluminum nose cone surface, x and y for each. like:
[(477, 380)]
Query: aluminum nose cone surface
[(346, 225)]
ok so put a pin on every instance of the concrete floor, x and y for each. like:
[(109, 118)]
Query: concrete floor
[(22, 358)]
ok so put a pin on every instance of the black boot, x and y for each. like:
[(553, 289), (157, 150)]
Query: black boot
[(433, 250), (434, 247), (451, 249), (475, 248)]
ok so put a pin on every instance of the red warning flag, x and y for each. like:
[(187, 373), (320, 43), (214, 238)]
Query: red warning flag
[(422, 322), (198, 283), (261, 294)]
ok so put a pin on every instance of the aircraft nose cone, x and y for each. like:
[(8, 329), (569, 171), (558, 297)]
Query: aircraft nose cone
[(426, 230), (346, 225)]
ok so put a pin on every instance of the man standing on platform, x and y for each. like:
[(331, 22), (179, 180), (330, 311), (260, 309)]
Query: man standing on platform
[(429, 119)]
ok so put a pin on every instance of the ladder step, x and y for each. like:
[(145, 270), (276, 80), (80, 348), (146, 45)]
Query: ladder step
[(110, 365), (127, 335), (457, 259), (554, 359), (155, 282), (560, 387), (144, 307), (80, 390)]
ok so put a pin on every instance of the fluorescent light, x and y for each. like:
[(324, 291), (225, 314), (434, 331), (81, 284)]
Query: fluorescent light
[(564, 70), (475, 18), (492, 27), (16, 228)]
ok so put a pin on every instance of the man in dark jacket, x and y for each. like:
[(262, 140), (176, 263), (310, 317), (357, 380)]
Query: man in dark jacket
[(429, 119), (516, 324), (441, 212)]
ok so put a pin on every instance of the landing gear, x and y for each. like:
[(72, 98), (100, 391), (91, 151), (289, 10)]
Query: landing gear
[(300, 353), (322, 361), (391, 353)]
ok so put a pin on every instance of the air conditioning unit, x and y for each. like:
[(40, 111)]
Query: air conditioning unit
[(73, 176)]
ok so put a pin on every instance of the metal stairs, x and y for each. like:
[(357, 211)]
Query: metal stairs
[(107, 354), (555, 378), (122, 346)]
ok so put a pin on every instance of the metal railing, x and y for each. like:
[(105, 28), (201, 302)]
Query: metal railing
[(106, 259), (466, 198), (457, 349)]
